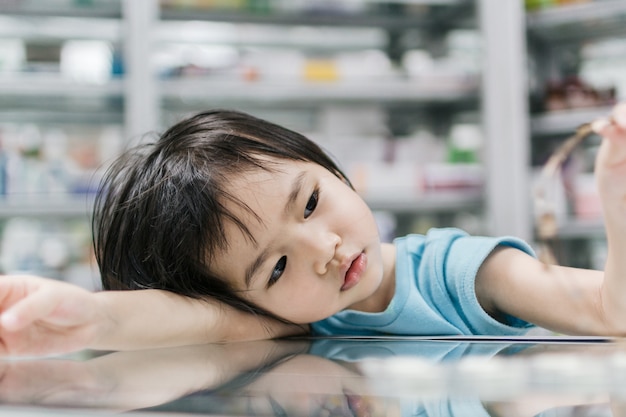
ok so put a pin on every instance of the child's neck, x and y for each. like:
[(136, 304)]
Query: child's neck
[(388, 285)]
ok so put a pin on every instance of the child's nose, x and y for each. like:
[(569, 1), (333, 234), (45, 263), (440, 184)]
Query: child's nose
[(321, 247)]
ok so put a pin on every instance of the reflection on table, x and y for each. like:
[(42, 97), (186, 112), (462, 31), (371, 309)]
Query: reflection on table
[(328, 377)]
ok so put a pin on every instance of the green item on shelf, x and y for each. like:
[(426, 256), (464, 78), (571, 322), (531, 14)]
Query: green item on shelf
[(539, 4)]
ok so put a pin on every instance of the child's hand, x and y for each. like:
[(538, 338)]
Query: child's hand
[(44, 316), (611, 179), (611, 161)]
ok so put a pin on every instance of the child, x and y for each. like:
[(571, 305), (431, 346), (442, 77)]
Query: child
[(232, 228)]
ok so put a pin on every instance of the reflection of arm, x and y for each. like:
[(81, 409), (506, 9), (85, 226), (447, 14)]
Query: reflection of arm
[(534, 405), (137, 379), (312, 385)]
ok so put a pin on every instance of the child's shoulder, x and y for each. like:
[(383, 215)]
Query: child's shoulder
[(453, 245)]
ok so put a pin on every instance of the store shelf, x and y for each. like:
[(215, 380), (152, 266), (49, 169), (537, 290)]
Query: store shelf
[(419, 2), (433, 14), (59, 28), (560, 41), (68, 8), (47, 206), (577, 22), (51, 117), (53, 85), (331, 39), (580, 229), (566, 121), (448, 201), (373, 24), (384, 91)]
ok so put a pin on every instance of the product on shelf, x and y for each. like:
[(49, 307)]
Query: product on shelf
[(532, 5), (574, 93), (39, 163), (54, 248)]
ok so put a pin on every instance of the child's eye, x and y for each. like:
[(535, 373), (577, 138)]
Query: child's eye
[(312, 203), (278, 270)]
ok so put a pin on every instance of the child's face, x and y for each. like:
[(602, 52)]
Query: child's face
[(317, 245)]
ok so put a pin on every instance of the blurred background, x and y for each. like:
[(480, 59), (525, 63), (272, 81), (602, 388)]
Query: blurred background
[(440, 111)]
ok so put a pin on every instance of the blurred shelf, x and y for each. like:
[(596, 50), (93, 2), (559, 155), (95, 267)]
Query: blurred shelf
[(47, 206), (60, 28), (579, 22), (226, 91), (53, 85), (51, 117), (436, 201), (581, 229), (251, 35), (566, 121), (440, 201), (426, 14), (68, 8), (419, 2)]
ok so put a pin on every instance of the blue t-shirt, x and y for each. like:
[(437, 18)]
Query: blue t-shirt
[(434, 296)]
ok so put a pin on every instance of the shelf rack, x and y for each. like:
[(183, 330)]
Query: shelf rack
[(56, 207), (579, 22), (566, 121), (385, 91), (557, 34), (141, 97), (94, 9)]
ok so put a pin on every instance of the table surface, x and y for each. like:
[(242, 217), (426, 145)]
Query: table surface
[(329, 377)]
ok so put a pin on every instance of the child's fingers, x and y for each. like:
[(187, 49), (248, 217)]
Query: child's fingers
[(601, 126), (615, 125), (619, 115), (35, 306)]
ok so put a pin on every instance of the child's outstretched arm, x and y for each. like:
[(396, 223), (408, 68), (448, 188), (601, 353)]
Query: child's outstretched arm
[(611, 181), (569, 300), (42, 316)]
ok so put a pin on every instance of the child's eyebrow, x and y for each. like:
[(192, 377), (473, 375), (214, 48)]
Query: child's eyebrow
[(254, 266), (296, 188)]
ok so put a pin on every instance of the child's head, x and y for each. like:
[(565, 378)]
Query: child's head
[(194, 212)]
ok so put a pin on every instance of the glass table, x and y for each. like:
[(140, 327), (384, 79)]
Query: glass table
[(550, 376)]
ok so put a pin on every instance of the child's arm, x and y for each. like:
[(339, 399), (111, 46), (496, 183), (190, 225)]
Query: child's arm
[(569, 300), (42, 316)]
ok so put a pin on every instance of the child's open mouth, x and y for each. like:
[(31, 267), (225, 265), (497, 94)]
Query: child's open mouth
[(353, 275)]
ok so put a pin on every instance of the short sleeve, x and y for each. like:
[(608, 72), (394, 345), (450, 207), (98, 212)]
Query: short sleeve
[(455, 258)]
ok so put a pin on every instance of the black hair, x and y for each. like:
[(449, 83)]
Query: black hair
[(161, 208)]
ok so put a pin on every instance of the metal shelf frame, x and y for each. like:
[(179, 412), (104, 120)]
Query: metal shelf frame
[(384, 91), (54, 207), (566, 121), (436, 201), (505, 118)]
